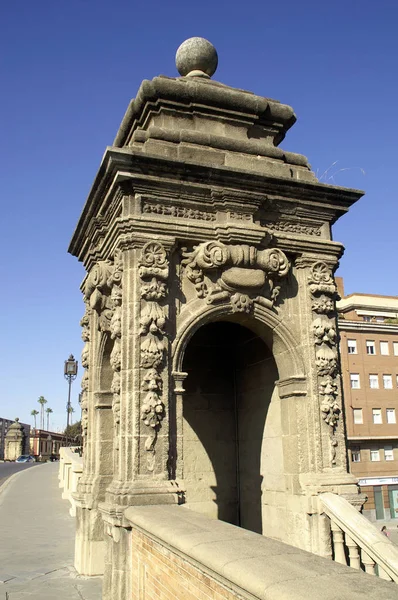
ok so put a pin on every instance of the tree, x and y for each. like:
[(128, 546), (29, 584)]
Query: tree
[(48, 411), (74, 432), (34, 413), (42, 401)]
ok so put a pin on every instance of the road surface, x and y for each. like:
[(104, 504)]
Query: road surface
[(9, 468)]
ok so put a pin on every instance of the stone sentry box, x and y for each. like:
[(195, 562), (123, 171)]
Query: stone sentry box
[(212, 377)]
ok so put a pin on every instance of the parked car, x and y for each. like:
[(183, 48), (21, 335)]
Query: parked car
[(25, 458)]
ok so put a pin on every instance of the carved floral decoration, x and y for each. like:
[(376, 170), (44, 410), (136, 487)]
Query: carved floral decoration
[(85, 324), (241, 274), (323, 291), (115, 331), (103, 295), (153, 272)]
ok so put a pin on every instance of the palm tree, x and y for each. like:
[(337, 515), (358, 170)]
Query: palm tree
[(34, 413), (42, 401), (71, 410), (48, 411)]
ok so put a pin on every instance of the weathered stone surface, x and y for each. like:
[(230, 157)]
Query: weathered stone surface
[(14, 441), (196, 56), (191, 554), (212, 375)]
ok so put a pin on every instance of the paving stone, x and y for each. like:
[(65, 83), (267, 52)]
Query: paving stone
[(37, 534)]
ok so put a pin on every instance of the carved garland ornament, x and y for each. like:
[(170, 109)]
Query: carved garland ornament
[(323, 290), (85, 324), (153, 272), (241, 274), (115, 327), (103, 294)]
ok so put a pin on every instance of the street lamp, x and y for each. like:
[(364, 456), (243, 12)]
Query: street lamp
[(70, 373)]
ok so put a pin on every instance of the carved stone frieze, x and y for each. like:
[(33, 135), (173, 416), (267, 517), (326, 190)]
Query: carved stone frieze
[(291, 227), (181, 212), (222, 272), (153, 272), (238, 216)]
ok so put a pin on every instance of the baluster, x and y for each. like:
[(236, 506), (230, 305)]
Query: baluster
[(353, 552), (368, 563), (338, 543), (383, 574)]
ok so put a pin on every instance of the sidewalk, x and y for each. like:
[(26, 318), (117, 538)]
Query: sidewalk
[(37, 541)]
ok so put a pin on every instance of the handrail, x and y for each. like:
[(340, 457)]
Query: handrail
[(356, 541)]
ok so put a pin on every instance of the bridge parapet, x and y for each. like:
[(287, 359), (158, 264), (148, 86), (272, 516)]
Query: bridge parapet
[(356, 542), (177, 552), (70, 471)]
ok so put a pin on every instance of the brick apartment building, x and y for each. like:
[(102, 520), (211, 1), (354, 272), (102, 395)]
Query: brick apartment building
[(4, 425), (368, 327), (46, 444)]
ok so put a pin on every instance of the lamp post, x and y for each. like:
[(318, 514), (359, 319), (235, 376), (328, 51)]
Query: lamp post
[(70, 373)]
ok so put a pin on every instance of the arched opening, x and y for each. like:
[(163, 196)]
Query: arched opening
[(232, 439)]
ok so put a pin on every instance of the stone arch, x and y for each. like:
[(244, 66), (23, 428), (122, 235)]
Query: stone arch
[(282, 378), (263, 321)]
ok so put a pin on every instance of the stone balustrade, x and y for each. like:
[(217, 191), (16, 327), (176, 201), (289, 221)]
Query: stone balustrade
[(70, 471), (181, 554), (356, 542)]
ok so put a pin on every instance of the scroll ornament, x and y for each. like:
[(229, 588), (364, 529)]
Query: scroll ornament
[(153, 272), (238, 273)]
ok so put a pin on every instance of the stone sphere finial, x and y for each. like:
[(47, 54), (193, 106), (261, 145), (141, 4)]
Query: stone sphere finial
[(196, 57)]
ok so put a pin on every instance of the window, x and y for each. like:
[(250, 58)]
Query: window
[(367, 318), (388, 453), (358, 418), (376, 412), (374, 455), (356, 455), (370, 347), (395, 348), (380, 319), (391, 415), (354, 379), (384, 348), (352, 346), (374, 382), (387, 382)]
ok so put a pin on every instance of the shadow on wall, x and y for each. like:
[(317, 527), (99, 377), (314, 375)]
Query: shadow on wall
[(231, 375)]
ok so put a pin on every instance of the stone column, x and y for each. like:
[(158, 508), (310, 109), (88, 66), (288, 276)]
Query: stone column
[(100, 357), (322, 450)]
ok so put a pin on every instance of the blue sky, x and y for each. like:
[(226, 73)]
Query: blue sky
[(68, 71)]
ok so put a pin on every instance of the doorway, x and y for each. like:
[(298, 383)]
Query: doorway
[(232, 443)]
